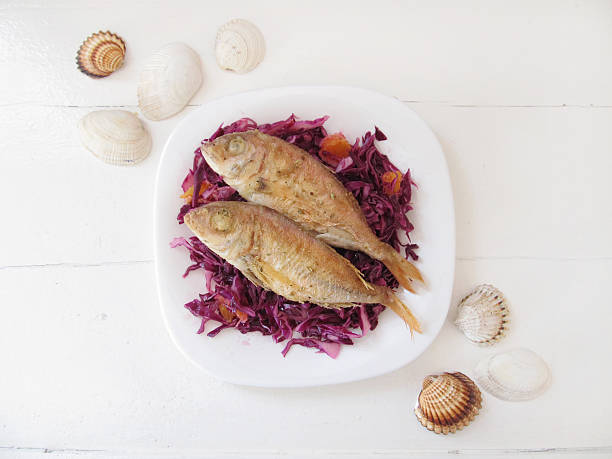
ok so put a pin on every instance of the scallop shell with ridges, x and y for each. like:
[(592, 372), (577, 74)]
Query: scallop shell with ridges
[(168, 81), (448, 402), (483, 315), (239, 46), (115, 136), (515, 375), (101, 54)]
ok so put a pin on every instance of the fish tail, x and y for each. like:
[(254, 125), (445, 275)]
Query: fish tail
[(404, 271), (396, 305)]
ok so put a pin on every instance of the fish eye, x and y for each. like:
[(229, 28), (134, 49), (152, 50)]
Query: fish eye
[(237, 146), (221, 220)]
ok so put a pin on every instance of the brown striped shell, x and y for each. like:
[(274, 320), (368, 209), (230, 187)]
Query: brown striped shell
[(448, 402), (101, 54)]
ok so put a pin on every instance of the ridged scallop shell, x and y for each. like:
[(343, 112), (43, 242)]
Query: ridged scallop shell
[(101, 54), (115, 136), (515, 375), (482, 315), (170, 78), (448, 402), (239, 46)]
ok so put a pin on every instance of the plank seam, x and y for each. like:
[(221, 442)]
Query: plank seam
[(150, 261), (313, 453), (423, 102), (77, 265)]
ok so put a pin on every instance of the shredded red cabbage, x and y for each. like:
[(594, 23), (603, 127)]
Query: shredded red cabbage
[(234, 302)]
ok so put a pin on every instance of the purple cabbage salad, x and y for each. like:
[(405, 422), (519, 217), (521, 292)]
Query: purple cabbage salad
[(383, 193)]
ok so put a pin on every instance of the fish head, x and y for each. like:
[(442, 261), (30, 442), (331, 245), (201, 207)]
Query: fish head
[(231, 155), (215, 224)]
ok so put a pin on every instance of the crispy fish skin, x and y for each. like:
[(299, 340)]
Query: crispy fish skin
[(276, 174), (276, 254)]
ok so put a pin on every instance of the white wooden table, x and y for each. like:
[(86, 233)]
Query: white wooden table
[(520, 96)]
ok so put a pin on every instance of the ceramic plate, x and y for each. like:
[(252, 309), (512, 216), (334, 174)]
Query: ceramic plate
[(256, 360)]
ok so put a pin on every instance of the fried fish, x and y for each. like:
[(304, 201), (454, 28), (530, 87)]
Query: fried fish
[(276, 174), (276, 254)]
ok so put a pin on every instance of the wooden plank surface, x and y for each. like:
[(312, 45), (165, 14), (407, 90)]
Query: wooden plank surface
[(519, 96), (551, 187), (88, 352), (476, 52)]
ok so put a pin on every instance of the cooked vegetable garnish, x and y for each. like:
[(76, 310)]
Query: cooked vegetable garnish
[(392, 182), (362, 172), (334, 147)]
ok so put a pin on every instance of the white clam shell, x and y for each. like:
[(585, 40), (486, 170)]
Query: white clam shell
[(168, 81), (239, 46), (115, 136), (482, 315), (515, 375)]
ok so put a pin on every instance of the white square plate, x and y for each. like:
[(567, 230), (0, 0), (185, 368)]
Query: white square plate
[(253, 359)]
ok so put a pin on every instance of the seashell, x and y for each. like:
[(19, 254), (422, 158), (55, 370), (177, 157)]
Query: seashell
[(448, 402), (115, 136), (239, 46), (483, 315), (170, 78), (519, 374), (101, 54)]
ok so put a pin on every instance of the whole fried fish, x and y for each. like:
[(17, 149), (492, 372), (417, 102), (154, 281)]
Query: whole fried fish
[(271, 172), (276, 254)]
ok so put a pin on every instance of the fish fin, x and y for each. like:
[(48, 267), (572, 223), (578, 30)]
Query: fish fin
[(337, 237), (396, 305), (244, 268), (266, 273), (367, 285), (404, 271), (336, 305)]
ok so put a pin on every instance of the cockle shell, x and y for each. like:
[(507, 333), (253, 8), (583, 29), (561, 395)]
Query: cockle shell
[(169, 80), (519, 374), (448, 402), (115, 136), (101, 54), (240, 46), (483, 315)]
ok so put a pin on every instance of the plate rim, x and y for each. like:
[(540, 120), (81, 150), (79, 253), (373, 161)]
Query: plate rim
[(338, 380)]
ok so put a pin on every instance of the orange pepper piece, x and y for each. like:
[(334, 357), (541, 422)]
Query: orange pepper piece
[(336, 145), (242, 317), (188, 195), (392, 181), (227, 314)]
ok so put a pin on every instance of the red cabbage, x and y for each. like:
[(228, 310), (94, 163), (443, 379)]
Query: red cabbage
[(253, 309)]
